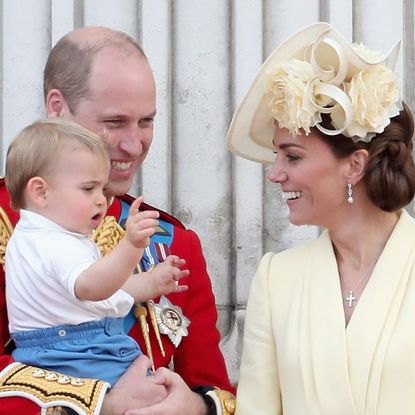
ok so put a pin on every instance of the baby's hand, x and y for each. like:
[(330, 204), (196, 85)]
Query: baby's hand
[(140, 226), (166, 275)]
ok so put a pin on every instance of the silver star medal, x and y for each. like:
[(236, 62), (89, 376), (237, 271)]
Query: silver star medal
[(171, 320)]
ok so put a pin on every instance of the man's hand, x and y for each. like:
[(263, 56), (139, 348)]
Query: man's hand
[(180, 399), (134, 389)]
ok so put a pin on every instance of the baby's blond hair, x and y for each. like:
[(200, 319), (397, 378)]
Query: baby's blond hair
[(33, 152)]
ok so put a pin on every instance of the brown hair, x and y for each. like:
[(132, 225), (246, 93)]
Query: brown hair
[(33, 152), (390, 172), (69, 63)]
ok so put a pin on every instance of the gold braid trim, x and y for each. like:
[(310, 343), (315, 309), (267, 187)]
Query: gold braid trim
[(50, 389), (6, 230), (59, 410), (107, 235), (225, 401)]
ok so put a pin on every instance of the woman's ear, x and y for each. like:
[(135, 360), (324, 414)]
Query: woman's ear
[(357, 165), (37, 192)]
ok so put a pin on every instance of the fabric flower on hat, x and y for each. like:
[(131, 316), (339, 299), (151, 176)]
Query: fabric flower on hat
[(289, 104), (360, 98), (375, 100)]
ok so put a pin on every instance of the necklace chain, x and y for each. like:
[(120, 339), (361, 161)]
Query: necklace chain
[(351, 297)]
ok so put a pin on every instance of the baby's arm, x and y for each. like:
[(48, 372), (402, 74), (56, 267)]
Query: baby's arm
[(163, 279), (107, 275)]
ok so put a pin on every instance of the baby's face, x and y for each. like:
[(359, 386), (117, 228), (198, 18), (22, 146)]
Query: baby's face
[(75, 191)]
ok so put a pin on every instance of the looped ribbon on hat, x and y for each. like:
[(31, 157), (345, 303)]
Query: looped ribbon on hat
[(328, 83)]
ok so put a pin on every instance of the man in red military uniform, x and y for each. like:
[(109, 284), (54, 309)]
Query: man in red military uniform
[(102, 80)]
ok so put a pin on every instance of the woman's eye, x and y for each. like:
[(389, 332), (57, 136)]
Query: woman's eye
[(292, 157)]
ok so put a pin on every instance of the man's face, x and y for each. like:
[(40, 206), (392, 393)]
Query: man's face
[(120, 107)]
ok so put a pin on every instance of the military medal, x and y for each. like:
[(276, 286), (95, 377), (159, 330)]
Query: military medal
[(171, 320)]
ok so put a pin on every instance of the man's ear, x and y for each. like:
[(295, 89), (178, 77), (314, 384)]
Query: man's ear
[(37, 192), (56, 105), (357, 165)]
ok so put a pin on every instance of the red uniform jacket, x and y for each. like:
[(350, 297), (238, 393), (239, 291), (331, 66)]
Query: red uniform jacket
[(198, 358)]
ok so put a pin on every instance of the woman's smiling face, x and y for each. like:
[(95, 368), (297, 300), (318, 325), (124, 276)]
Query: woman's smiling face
[(312, 179)]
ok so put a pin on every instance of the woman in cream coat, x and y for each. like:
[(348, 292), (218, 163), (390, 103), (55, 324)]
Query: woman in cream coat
[(330, 325)]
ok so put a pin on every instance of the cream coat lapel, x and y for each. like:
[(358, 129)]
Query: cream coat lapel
[(323, 347), (372, 322)]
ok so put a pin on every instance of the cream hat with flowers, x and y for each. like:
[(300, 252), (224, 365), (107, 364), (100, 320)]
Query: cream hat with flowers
[(316, 71)]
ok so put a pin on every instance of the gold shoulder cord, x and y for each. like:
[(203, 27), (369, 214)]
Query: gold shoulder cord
[(6, 230), (106, 236)]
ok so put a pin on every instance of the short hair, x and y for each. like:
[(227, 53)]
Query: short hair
[(69, 63), (34, 150), (390, 173)]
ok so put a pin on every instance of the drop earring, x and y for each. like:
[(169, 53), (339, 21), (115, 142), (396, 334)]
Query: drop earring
[(349, 193)]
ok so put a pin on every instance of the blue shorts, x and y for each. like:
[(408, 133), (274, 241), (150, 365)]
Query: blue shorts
[(97, 349)]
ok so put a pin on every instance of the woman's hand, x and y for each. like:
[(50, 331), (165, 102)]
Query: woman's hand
[(135, 389), (180, 400)]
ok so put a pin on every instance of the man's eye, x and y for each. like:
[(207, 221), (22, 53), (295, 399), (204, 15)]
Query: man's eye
[(113, 123), (146, 122)]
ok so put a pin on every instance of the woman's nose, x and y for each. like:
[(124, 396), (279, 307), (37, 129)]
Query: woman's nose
[(277, 173)]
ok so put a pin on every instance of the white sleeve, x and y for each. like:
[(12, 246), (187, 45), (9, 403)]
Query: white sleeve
[(68, 257)]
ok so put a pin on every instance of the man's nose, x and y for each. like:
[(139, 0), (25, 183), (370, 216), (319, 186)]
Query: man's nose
[(132, 141)]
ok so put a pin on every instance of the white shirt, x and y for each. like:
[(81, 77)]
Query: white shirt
[(43, 261)]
